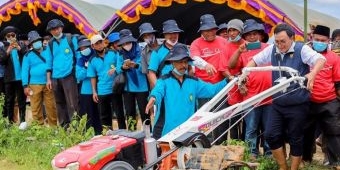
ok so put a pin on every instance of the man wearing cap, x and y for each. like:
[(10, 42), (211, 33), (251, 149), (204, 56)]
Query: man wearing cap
[(87, 105), (289, 109), (235, 30), (11, 56), (325, 107), (223, 30), (60, 72), (102, 70), (136, 87), (207, 51), (34, 80), (187, 89), (158, 66), (148, 35), (256, 83), (113, 41)]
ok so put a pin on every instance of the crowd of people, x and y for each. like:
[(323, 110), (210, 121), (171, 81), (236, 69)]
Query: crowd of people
[(66, 75)]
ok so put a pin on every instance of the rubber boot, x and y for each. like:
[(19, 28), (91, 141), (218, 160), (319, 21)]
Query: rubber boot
[(295, 162), (280, 158)]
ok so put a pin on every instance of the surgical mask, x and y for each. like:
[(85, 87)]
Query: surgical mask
[(237, 38), (86, 51), (37, 45), (179, 73), (127, 47), (319, 46), (59, 36), (171, 43), (150, 40)]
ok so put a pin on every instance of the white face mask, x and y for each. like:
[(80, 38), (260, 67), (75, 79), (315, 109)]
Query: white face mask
[(127, 47), (58, 37), (171, 43), (150, 40)]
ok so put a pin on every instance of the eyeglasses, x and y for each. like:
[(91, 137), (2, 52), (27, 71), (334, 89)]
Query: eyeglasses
[(10, 35)]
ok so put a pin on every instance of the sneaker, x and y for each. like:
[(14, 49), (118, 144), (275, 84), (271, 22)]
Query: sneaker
[(23, 126)]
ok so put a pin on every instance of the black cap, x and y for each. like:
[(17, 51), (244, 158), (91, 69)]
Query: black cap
[(179, 52), (322, 30)]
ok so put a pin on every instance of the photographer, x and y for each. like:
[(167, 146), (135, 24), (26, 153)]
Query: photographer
[(11, 56)]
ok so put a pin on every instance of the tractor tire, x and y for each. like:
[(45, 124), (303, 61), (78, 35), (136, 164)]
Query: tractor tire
[(117, 165)]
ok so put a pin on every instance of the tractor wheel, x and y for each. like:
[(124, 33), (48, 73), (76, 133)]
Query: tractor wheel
[(117, 165)]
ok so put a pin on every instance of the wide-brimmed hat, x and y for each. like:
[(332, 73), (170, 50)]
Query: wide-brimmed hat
[(207, 22), (125, 35), (94, 39), (113, 37), (146, 28), (179, 52), (250, 25), (83, 43), (170, 26), (33, 36), (7, 30), (322, 30), (54, 23), (263, 33), (236, 24), (223, 26)]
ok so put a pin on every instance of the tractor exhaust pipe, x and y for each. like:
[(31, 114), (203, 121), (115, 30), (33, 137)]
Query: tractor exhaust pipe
[(150, 144)]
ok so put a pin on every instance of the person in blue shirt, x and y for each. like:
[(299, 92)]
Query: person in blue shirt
[(178, 91), (87, 105), (11, 57), (102, 70), (60, 71), (157, 66), (34, 80), (136, 88)]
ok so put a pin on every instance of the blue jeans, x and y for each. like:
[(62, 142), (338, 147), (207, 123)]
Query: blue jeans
[(253, 119)]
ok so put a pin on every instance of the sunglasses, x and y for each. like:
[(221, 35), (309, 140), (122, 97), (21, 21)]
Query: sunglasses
[(10, 35)]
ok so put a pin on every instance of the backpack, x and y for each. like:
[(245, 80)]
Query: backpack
[(70, 43)]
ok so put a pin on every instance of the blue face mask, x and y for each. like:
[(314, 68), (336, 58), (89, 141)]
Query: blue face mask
[(237, 38), (37, 45), (86, 51), (319, 46)]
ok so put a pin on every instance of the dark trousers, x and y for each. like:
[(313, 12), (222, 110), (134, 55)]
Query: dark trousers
[(14, 89), (117, 106), (2, 91), (89, 107), (66, 97), (130, 99), (327, 115), (105, 111), (288, 119)]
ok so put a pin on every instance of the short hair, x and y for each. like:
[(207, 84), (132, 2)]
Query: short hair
[(284, 27)]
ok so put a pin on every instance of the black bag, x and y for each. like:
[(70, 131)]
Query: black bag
[(119, 83)]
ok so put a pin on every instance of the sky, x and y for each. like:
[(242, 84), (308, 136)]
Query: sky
[(330, 7)]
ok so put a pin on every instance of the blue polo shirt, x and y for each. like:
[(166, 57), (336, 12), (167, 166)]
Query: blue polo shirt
[(34, 68), (16, 64), (99, 67), (141, 84), (180, 98), (157, 56), (62, 57)]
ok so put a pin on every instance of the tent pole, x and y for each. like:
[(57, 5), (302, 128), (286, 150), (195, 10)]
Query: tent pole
[(305, 21)]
